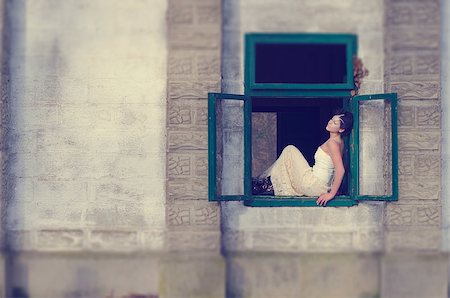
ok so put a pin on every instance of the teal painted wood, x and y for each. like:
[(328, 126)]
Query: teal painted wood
[(354, 147), (212, 150), (251, 39), (297, 93), (267, 201)]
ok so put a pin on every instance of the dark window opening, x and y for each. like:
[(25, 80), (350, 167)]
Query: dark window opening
[(300, 63), (278, 122)]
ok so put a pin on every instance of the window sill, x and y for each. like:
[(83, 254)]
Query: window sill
[(272, 201)]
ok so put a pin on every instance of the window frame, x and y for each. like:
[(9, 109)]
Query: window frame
[(251, 39), (302, 91)]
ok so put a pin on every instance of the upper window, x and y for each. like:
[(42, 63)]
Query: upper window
[(299, 61), (293, 83)]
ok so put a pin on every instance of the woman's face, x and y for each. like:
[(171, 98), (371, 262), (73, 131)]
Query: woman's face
[(334, 124)]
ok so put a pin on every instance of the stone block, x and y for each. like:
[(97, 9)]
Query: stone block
[(405, 166), (399, 214), (180, 114), (405, 116), (60, 240), (178, 215), (413, 239), (413, 275), (201, 115), (201, 166), (114, 240), (428, 116), (428, 215), (423, 140), (428, 165), (400, 14), (194, 37), (366, 214), (419, 190), (413, 39), (278, 240), (191, 90), (180, 66), (187, 189), (329, 241), (180, 14), (401, 65), (208, 14), (188, 140), (415, 90), (126, 214), (179, 165), (196, 214), (112, 191), (209, 66), (186, 241), (427, 64)]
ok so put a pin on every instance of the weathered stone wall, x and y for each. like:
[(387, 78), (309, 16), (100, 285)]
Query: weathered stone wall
[(359, 228), (412, 69), (86, 131), (194, 69)]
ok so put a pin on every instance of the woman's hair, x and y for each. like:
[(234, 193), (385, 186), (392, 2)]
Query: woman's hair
[(347, 121)]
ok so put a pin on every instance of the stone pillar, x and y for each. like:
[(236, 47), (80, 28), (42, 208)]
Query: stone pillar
[(194, 38), (413, 224), (445, 106)]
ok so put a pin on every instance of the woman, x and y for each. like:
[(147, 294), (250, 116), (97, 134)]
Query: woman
[(291, 175)]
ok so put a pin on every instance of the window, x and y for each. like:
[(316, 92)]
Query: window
[(297, 80)]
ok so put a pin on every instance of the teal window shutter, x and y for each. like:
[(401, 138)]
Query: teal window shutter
[(228, 147), (374, 148)]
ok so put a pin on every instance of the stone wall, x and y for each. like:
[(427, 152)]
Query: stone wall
[(359, 228), (412, 70), (86, 126), (194, 69)]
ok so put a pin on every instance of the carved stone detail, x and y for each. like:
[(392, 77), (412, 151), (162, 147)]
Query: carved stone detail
[(428, 64), (179, 165), (399, 215), (201, 166), (416, 90), (428, 116), (188, 140), (405, 167), (60, 239), (179, 114), (405, 116), (427, 165), (419, 190), (188, 189), (179, 215), (401, 65), (428, 215), (191, 90), (206, 215), (423, 140)]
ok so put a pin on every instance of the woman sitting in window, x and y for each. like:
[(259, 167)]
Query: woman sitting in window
[(291, 175)]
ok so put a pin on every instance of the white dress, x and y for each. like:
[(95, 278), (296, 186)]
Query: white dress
[(291, 175)]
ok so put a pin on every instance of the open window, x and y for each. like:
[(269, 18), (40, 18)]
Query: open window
[(293, 83)]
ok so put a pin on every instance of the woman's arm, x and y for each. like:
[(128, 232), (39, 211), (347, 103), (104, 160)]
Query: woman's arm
[(335, 153)]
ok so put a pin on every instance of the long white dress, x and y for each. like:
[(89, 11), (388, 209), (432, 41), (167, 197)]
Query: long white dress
[(291, 175)]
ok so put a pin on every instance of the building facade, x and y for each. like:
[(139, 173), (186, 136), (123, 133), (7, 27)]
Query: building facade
[(105, 154)]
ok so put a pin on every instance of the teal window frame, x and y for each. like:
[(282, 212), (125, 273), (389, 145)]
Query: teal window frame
[(303, 92), (252, 39)]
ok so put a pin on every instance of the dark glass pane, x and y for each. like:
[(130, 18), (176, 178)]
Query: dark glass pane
[(300, 63)]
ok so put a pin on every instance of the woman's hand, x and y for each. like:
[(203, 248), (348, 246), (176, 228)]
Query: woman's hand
[(324, 198)]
